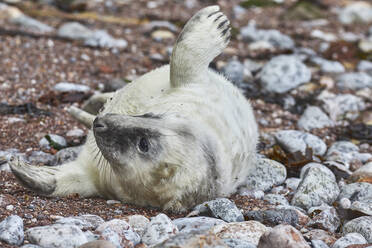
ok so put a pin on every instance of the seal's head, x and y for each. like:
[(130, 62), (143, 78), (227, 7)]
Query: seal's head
[(153, 144)]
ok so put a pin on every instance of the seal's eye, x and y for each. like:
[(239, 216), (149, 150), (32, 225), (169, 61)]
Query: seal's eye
[(143, 145)]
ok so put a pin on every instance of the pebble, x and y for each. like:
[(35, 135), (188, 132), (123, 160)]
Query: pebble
[(234, 71), (71, 87), (328, 66), (318, 186), (11, 230), (138, 223), (316, 243), (274, 217), (57, 139), (361, 225), (266, 174), (349, 239), (252, 65), (98, 244), (255, 194), (363, 173), (32, 24), (354, 81), (56, 236), (319, 34), (237, 243), (74, 31), (324, 217), (292, 183), (342, 106), (343, 152), (191, 240), (276, 199), (356, 192), (160, 35), (152, 25), (75, 133), (313, 117), (358, 11), (272, 36), (196, 223), (283, 73), (364, 65), (363, 208), (86, 221), (159, 229), (249, 231), (224, 209), (282, 236), (296, 141), (68, 154), (320, 234), (42, 158), (119, 232)]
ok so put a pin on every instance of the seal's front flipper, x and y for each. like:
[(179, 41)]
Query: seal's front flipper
[(53, 180), (204, 37)]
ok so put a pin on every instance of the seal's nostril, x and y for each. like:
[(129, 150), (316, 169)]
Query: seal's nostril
[(99, 125)]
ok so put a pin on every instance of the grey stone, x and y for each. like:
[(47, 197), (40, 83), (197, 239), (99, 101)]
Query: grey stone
[(30, 246), (57, 139), (343, 106), (292, 183), (138, 223), (249, 231), (314, 117), (252, 65), (339, 169), (349, 239), (160, 25), (361, 225), (255, 194), (364, 65), (282, 236), (354, 81), (283, 73), (274, 217), (159, 229), (11, 230), (98, 244), (68, 154), (304, 53), (91, 236), (196, 223), (42, 158), (266, 174), (75, 133), (324, 217), (356, 192), (237, 243), (342, 147), (318, 186), (294, 141), (119, 232), (192, 239), (70, 87), (86, 221), (100, 38), (32, 24), (74, 31), (343, 152), (328, 66), (365, 207), (224, 209), (272, 36), (325, 36), (276, 199), (56, 236), (320, 234), (357, 11), (234, 71), (316, 243)]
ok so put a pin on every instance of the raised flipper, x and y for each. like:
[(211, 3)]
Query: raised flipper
[(204, 37), (61, 180)]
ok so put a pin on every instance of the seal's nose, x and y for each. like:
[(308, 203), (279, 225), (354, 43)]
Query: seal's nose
[(99, 125)]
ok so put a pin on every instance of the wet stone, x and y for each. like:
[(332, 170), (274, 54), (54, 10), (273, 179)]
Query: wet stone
[(159, 229), (283, 73), (318, 186), (196, 223), (11, 230), (282, 236), (266, 174), (361, 225), (56, 236), (294, 141), (314, 117), (349, 239)]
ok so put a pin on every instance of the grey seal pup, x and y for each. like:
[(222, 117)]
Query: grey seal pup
[(177, 136)]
